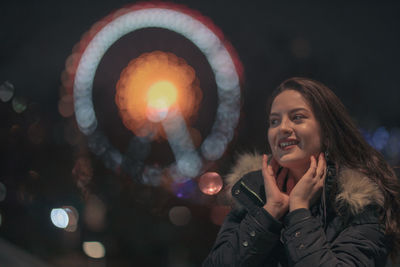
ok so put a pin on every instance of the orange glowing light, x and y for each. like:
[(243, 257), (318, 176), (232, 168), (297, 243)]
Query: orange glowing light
[(161, 95), (210, 183), (151, 86)]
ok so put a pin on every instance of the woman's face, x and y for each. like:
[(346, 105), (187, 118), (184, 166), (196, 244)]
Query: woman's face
[(294, 133)]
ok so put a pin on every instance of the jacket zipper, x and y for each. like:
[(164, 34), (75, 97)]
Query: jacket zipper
[(252, 192)]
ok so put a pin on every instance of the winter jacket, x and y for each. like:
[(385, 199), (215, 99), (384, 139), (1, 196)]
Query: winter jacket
[(341, 229)]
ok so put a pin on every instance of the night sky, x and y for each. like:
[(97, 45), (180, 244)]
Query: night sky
[(353, 48)]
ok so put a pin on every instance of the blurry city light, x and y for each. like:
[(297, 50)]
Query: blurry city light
[(195, 135), (380, 138), (138, 115), (98, 143), (3, 191), (94, 213), (112, 159), (160, 96), (184, 190), (210, 183), (65, 217), (386, 141), (94, 249), (179, 215), (66, 106), (214, 146), (59, 217), (82, 172), (188, 161), (392, 149), (151, 87), (6, 91), (152, 175), (19, 104), (218, 214)]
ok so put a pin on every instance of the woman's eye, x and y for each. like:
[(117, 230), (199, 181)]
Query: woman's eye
[(298, 117), (273, 121)]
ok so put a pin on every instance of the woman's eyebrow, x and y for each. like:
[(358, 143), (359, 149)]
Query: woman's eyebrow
[(291, 111), (298, 109)]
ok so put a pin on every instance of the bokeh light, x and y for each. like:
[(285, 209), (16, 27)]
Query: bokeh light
[(83, 173), (392, 149), (59, 217), (152, 175), (179, 215), (386, 141), (184, 190), (65, 217), (210, 183), (6, 91), (160, 96), (188, 162), (81, 66), (94, 249), (66, 106), (152, 85), (380, 138), (19, 104), (218, 214), (3, 191)]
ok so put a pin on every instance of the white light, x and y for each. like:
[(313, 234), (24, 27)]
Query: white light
[(188, 161), (6, 91), (59, 217), (94, 249)]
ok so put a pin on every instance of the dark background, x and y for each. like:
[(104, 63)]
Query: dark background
[(353, 47)]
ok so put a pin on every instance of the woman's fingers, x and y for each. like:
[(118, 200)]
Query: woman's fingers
[(322, 163), (265, 166), (320, 172), (310, 173), (269, 175)]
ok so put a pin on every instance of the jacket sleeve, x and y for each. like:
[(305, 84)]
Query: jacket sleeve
[(360, 244), (245, 239)]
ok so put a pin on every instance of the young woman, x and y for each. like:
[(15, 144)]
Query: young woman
[(323, 197)]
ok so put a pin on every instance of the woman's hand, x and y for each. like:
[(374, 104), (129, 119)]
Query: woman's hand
[(277, 202), (308, 188)]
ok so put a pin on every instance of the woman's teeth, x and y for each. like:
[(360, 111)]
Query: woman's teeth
[(285, 144)]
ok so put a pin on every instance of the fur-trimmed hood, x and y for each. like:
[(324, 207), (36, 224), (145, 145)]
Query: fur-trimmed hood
[(355, 191)]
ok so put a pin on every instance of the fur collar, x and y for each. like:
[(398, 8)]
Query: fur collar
[(355, 190)]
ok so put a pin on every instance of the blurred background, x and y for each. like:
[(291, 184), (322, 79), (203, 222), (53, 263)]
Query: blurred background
[(121, 190)]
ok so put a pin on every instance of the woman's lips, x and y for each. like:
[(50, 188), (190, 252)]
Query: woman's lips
[(287, 147), (287, 144)]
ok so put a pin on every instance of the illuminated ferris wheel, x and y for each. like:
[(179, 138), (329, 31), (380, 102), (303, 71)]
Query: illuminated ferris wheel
[(158, 92)]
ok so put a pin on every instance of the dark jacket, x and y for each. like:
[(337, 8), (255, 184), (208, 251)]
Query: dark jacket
[(342, 229)]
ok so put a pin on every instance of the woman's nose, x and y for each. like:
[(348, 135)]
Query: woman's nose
[(286, 126)]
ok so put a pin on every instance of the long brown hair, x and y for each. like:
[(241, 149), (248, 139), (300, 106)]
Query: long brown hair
[(347, 147)]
